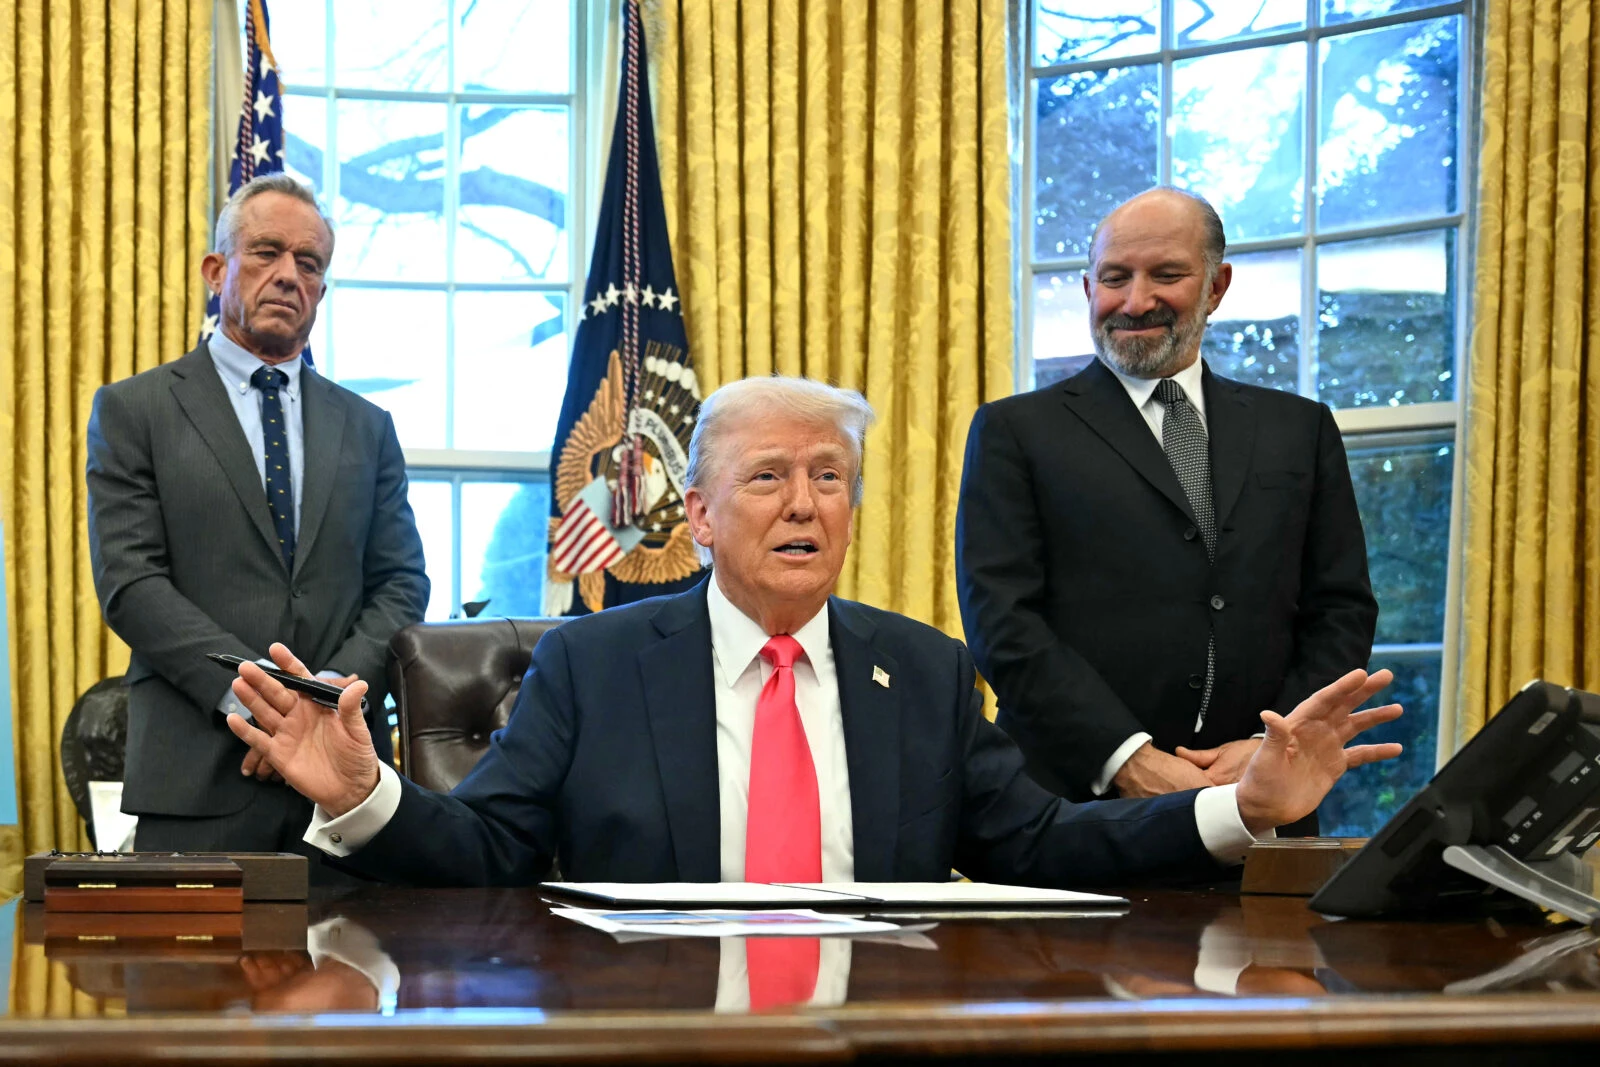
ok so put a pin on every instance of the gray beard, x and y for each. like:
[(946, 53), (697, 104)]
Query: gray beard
[(1159, 357)]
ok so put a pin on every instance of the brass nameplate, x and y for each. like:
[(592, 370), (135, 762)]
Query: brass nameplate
[(97, 885), (194, 937), (194, 885), (97, 937)]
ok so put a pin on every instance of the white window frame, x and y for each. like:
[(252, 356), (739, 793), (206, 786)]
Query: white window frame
[(592, 23), (1361, 426)]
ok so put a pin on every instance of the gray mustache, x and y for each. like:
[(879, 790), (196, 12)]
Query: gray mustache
[(1164, 317)]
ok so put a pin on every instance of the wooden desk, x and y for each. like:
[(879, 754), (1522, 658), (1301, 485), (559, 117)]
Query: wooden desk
[(491, 976)]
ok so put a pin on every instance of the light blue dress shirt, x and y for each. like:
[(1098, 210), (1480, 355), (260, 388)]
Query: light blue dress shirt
[(235, 366)]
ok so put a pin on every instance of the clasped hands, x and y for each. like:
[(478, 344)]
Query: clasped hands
[(1283, 776)]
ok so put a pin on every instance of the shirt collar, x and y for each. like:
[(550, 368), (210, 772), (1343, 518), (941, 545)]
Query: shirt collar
[(737, 639), (236, 365), (1189, 379)]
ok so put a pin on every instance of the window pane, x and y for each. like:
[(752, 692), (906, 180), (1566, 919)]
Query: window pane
[(299, 41), (1404, 496), (379, 45), (1364, 798), (1096, 145), (1337, 11), (1060, 316), (430, 501), (1198, 22), (1050, 371), (512, 219), (390, 211), (511, 370), (1067, 31), (1239, 139), (1254, 335), (514, 45), (389, 347), (1386, 320), (1388, 125), (305, 139), (504, 529)]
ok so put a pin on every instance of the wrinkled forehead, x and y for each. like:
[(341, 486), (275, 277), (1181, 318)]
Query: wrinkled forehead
[(286, 220), (769, 432), (1153, 226)]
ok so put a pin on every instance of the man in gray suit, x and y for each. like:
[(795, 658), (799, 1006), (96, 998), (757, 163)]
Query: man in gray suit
[(237, 498)]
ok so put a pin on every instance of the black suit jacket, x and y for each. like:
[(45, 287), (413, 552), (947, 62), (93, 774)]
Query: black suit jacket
[(1085, 589), (186, 562), (609, 764)]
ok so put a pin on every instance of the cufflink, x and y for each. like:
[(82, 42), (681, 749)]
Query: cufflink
[(336, 837)]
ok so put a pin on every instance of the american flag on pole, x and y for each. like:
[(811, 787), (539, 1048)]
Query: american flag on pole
[(617, 527), (258, 149)]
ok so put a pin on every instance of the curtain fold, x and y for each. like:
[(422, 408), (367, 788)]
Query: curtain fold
[(838, 188), (1532, 576), (105, 155)]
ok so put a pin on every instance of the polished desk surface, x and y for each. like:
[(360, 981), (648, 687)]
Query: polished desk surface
[(491, 975)]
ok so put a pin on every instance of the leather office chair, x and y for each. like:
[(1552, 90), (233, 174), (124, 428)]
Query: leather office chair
[(454, 683)]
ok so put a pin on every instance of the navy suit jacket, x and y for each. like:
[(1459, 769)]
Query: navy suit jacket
[(609, 765)]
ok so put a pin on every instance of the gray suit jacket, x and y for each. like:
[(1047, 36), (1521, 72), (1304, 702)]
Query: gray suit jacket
[(186, 562)]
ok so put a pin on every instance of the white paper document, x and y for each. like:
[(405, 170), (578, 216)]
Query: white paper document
[(795, 922), (828, 894)]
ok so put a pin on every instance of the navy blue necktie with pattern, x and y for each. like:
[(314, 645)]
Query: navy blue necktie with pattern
[(275, 437), (1183, 438)]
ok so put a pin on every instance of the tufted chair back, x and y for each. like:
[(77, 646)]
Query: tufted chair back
[(454, 684)]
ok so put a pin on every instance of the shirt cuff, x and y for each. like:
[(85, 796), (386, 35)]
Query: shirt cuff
[(1123, 753), (341, 835), (353, 945), (1222, 830)]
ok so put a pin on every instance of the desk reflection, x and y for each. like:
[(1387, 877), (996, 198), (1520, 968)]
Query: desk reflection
[(397, 950)]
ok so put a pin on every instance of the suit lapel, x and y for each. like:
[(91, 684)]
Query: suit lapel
[(1231, 425), (1098, 398), (199, 391), (871, 713), (681, 701), (322, 430)]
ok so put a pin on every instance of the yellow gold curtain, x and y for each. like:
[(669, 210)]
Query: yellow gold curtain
[(1532, 578), (838, 186), (105, 142)]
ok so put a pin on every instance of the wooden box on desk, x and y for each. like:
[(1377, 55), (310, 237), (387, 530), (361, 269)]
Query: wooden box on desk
[(266, 876), (1296, 866)]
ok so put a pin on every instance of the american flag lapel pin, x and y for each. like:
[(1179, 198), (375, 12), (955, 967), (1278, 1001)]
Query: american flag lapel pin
[(880, 676)]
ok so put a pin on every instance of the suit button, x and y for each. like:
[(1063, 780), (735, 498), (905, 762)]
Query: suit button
[(1217, 603), (299, 592), (1190, 534), (1196, 681)]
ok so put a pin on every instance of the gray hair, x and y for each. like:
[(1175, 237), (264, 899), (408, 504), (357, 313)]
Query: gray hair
[(845, 409), (1216, 240), (227, 235)]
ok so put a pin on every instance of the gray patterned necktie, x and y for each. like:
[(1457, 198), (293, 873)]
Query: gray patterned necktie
[(1183, 439)]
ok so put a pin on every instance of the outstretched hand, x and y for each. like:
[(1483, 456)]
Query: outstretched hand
[(1304, 754), (325, 754)]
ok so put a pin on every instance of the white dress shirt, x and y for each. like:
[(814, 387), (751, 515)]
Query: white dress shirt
[(1142, 391), (738, 674)]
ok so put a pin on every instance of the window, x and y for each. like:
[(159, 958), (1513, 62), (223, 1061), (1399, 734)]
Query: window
[(1329, 136), (446, 139)]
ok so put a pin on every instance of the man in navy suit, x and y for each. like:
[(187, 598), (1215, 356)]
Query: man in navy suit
[(757, 728)]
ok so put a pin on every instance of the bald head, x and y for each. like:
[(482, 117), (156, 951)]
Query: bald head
[(1183, 209), (1155, 275)]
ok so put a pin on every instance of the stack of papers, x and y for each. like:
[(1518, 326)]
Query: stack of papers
[(848, 895)]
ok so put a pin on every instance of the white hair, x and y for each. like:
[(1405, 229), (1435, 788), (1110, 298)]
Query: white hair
[(845, 409), (228, 222)]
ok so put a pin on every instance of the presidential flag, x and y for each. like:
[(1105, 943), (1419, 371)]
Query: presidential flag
[(258, 149), (617, 529)]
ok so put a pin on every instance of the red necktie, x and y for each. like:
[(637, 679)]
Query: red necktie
[(783, 828), (783, 970)]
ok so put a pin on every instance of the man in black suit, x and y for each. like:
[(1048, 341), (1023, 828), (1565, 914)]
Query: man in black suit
[(237, 498), (1147, 554), (757, 728)]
